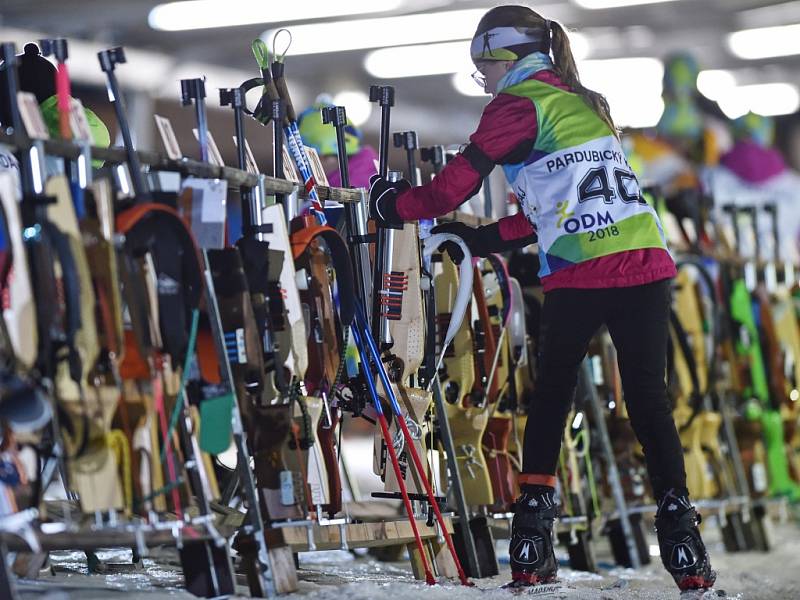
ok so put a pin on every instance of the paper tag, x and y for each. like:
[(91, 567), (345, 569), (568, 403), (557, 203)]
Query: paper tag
[(78, 122), (205, 207), (240, 346), (316, 166), (32, 116), (287, 488), (759, 477), (249, 160), (168, 137), (214, 157), (289, 172)]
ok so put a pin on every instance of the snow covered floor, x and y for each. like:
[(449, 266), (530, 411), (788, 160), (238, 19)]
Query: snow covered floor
[(341, 575)]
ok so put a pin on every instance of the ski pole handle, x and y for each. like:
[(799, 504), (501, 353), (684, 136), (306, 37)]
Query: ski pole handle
[(194, 90), (109, 59), (337, 116), (58, 48), (384, 96), (408, 141), (433, 155), (234, 97), (279, 80)]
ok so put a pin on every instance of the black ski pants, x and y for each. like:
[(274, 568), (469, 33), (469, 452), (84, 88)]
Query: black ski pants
[(638, 321)]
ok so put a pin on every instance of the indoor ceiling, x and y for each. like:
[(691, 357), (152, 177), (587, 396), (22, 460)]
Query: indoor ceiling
[(429, 104)]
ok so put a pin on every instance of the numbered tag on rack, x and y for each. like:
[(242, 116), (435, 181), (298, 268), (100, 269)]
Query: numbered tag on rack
[(32, 116), (78, 122), (289, 172), (214, 156), (316, 167), (249, 159), (203, 201), (168, 137)]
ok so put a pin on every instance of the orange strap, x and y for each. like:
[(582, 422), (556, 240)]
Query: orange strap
[(536, 479), (301, 238)]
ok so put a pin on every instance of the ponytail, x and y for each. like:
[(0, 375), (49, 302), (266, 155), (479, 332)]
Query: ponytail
[(568, 72)]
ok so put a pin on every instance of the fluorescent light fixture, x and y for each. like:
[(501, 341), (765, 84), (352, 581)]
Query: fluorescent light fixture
[(768, 99), (356, 104), (204, 14), (579, 44), (416, 61), (601, 4), (765, 42), (437, 59), (715, 84), (640, 108), (383, 32), (465, 85)]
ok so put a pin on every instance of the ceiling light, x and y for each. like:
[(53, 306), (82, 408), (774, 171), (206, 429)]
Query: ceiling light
[(768, 99), (765, 42), (601, 4), (415, 61), (466, 86), (356, 104), (716, 83), (203, 14), (642, 109), (382, 32), (436, 59)]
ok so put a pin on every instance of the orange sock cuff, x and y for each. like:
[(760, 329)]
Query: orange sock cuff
[(536, 479)]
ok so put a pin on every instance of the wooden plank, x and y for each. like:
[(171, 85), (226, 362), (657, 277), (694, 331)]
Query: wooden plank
[(283, 570), (415, 558), (357, 535), (442, 559), (185, 166)]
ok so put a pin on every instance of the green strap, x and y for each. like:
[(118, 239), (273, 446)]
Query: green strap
[(173, 420), (162, 491)]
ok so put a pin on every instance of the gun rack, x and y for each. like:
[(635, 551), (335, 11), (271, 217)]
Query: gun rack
[(185, 166)]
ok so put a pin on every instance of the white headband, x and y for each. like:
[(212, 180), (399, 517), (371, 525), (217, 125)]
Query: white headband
[(501, 37)]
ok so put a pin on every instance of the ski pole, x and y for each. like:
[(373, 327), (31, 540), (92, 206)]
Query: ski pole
[(399, 417), (79, 169), (384, 96), (109, 59), (390, 447), (275, 89), (194, 90), (355, 218)]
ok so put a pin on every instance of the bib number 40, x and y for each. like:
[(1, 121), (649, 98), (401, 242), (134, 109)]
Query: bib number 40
[(596, 184)]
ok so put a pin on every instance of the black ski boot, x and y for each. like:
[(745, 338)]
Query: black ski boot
[(682, 550), (532, 558)]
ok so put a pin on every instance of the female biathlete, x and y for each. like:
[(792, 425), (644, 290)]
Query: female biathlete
[(603, 260)]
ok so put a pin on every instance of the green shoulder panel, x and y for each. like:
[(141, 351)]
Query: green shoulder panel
[(564, 120)]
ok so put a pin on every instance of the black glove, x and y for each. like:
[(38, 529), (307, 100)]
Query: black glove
[(469, 234), (383, 199), (481, 241)]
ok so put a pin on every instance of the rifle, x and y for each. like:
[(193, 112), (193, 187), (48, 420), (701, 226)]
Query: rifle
[(163, 284), (781, 482), (497, 436)]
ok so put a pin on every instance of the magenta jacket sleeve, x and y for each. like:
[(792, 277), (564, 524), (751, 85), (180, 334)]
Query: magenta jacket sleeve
[(505, 134)]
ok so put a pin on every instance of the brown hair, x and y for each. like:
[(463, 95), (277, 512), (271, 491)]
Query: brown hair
[(523, 18)]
